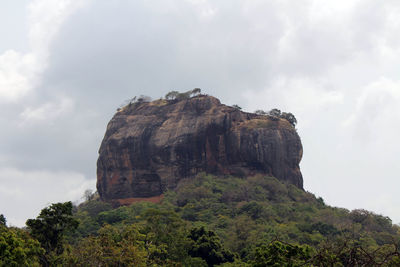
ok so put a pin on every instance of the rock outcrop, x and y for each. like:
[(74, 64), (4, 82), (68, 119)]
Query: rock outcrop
[(150, 147)]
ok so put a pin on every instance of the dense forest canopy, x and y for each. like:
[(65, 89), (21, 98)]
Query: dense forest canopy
[(206, 221)]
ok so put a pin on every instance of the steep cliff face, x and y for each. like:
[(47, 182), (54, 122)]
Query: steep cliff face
[(149, 147)]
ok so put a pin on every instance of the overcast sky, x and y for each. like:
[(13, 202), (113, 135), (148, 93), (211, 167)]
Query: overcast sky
[(66, 65)]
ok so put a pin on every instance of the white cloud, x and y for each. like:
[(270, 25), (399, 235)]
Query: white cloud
[(24, 193), (20, 72), (306, 98), (385, 204), (47, 112), (17, 73), (377, 113), (45, 19), (354, 153)]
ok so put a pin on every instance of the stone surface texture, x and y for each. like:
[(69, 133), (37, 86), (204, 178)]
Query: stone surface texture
[(149, 147)]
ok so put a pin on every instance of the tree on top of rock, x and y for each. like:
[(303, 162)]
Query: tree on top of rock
[(283, 115), (171, 95), (290, 118), (175, 95), (196, 91), (274, 112), (260, 112)]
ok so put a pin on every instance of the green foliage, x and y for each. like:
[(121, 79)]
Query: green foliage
[(111, 247), (133, 102), (171, 95), (276, 113), (348, 251), (237, 107), (279, 254), (175, 95), (112, 216), (95, 207), (260, 112), (206, 245), (50, 227), (160, 239), (257, 218), (253, 209), (290, 118), (89, 194), (322, 228), (143, 99), (164, 228), (3, 221), (17, 248), (196, 91)]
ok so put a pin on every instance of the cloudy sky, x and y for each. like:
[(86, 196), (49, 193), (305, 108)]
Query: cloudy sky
[(66, 65)]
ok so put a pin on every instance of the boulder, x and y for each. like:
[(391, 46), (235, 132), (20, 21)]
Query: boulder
[(149, 147)]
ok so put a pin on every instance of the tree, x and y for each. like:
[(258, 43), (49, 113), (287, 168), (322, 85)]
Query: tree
[(50, 227), (278, 253), (207, 245), (274, 112), (111, 247), (165, 229), (3, 221), (184, 95), (237, 107), (260, 112), (17, 248), (143, 99), (253, 209), (88, 195), (94, 207), (171, 95), (348, 251), (290, 118), (127, 102), (196, 91), (175, 95)]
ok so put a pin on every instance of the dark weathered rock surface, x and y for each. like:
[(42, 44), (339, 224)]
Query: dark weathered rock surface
[(149, 147)]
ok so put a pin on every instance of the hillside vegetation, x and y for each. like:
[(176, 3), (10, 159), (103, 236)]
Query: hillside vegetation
[(250, 220), (209, 221)]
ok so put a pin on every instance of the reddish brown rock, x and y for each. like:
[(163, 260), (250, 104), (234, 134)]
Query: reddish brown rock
[(149, 147)]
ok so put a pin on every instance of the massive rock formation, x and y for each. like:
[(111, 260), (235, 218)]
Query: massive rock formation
[(149, 147)]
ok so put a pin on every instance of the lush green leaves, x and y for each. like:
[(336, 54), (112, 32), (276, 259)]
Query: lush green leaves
[(206, 245), (3, 221), (111, 247), (50, 227), (279, 254), (208, 219), (175, 95), (17, 248)]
